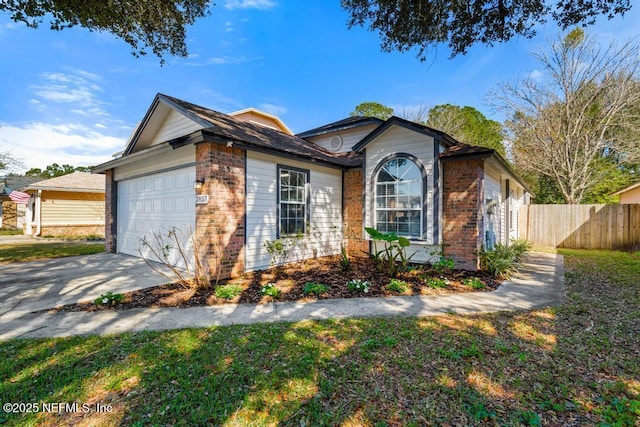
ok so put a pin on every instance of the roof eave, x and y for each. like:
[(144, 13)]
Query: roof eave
[(208, 136), (363, 122)]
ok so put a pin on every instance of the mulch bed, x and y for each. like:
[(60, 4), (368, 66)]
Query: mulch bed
[(290, 279)]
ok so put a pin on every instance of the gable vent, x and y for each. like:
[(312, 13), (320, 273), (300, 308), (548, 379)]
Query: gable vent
[(335, 142)]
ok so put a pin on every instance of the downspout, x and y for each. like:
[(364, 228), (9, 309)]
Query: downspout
[(38, 212), (28, 217)]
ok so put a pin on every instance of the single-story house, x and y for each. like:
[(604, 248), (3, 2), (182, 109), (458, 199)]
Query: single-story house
[(67, 205), (630, 194), (257, 183), (12, 214)]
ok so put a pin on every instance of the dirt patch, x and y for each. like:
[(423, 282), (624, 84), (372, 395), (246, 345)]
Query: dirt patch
[(290, 280)]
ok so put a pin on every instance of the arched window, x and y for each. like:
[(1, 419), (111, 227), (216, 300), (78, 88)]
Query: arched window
[(398, 203)]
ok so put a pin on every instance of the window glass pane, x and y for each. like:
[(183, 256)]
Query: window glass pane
[(293, 215), (398, 198)]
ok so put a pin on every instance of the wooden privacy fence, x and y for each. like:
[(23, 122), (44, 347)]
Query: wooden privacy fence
[(581, 226)]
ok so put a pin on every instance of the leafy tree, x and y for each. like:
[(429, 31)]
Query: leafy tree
[(404, 25), (372, 109), (155, 25), (468, 125), (580, 116), (53, 170)]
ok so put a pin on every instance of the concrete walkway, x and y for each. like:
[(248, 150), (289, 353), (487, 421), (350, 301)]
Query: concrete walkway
[(540, 283)]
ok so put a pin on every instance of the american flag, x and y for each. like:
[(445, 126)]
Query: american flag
[(19, 197)]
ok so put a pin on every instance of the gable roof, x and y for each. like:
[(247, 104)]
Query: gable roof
[(348, 123), (397, 121), (271, 117), (73, 182), (629, 188), (223, 128)]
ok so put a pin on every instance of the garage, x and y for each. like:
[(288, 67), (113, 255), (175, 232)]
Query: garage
[(155, 203)]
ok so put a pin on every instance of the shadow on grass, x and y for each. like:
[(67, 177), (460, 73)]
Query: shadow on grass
[(530, 368)]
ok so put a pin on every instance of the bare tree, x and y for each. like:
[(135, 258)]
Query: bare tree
[(8, 161), (581, 108)]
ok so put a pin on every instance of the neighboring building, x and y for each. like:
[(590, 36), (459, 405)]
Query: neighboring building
[(256, 183), (12, 215), (629, 195), (68, 205)]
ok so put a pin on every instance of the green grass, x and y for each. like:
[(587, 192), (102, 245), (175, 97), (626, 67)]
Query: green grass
[(573, 365), (10, 232), (35, 251)]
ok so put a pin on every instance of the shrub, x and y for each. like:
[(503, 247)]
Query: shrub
[(519, 248), (474, 283), (315, 288), (228, 291), (437, 283), (109, 299), (443, 263), (158, 247), (503, 260), (358, 285), (399, 286), (271, 290)]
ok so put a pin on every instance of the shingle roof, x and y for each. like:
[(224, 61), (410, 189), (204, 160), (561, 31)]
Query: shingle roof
[(464, 150), (261, 137), (349, 122), (77, 181)]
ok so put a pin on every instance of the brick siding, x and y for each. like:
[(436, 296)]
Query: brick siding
[(110, 211), (462, 211), (353, 212), (220, 224), (75, 230)]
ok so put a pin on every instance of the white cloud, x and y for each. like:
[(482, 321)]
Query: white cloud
[(276, 110), (536, 74), (218, 60), (250, 4), (39, 144), (77, 87), (228, 26)]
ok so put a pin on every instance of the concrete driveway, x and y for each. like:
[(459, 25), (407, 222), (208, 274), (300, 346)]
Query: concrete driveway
[(38, 285)]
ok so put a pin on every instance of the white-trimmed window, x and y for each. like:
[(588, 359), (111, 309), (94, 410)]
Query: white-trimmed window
[(399, 198), (293, 200)]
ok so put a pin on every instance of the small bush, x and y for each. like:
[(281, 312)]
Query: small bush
[(398, 286), (519, 247), (228, 291), (474, 283), (109, 299), (443, 263), (315, 288), (271, 290), (501, 261), (437, 283), (358, 285)]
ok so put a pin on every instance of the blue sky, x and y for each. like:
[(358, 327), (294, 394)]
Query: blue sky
[(75, 96)]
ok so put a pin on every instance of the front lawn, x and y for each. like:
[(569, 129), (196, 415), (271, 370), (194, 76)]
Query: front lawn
[(10, 232), (35, 251), (574, 365)]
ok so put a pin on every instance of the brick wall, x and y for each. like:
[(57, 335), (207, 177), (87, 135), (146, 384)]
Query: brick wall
[(110, 211), (220, 224), (75, 230), (353, 212), (463, 218)]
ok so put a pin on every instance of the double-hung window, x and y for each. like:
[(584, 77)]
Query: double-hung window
[(293, 206)]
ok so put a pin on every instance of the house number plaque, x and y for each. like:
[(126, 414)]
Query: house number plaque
[(202, 199)]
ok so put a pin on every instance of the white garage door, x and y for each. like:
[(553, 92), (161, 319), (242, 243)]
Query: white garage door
[(156, 204)]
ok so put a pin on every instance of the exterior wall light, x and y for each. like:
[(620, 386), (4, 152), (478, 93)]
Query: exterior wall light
[(197, 184)]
